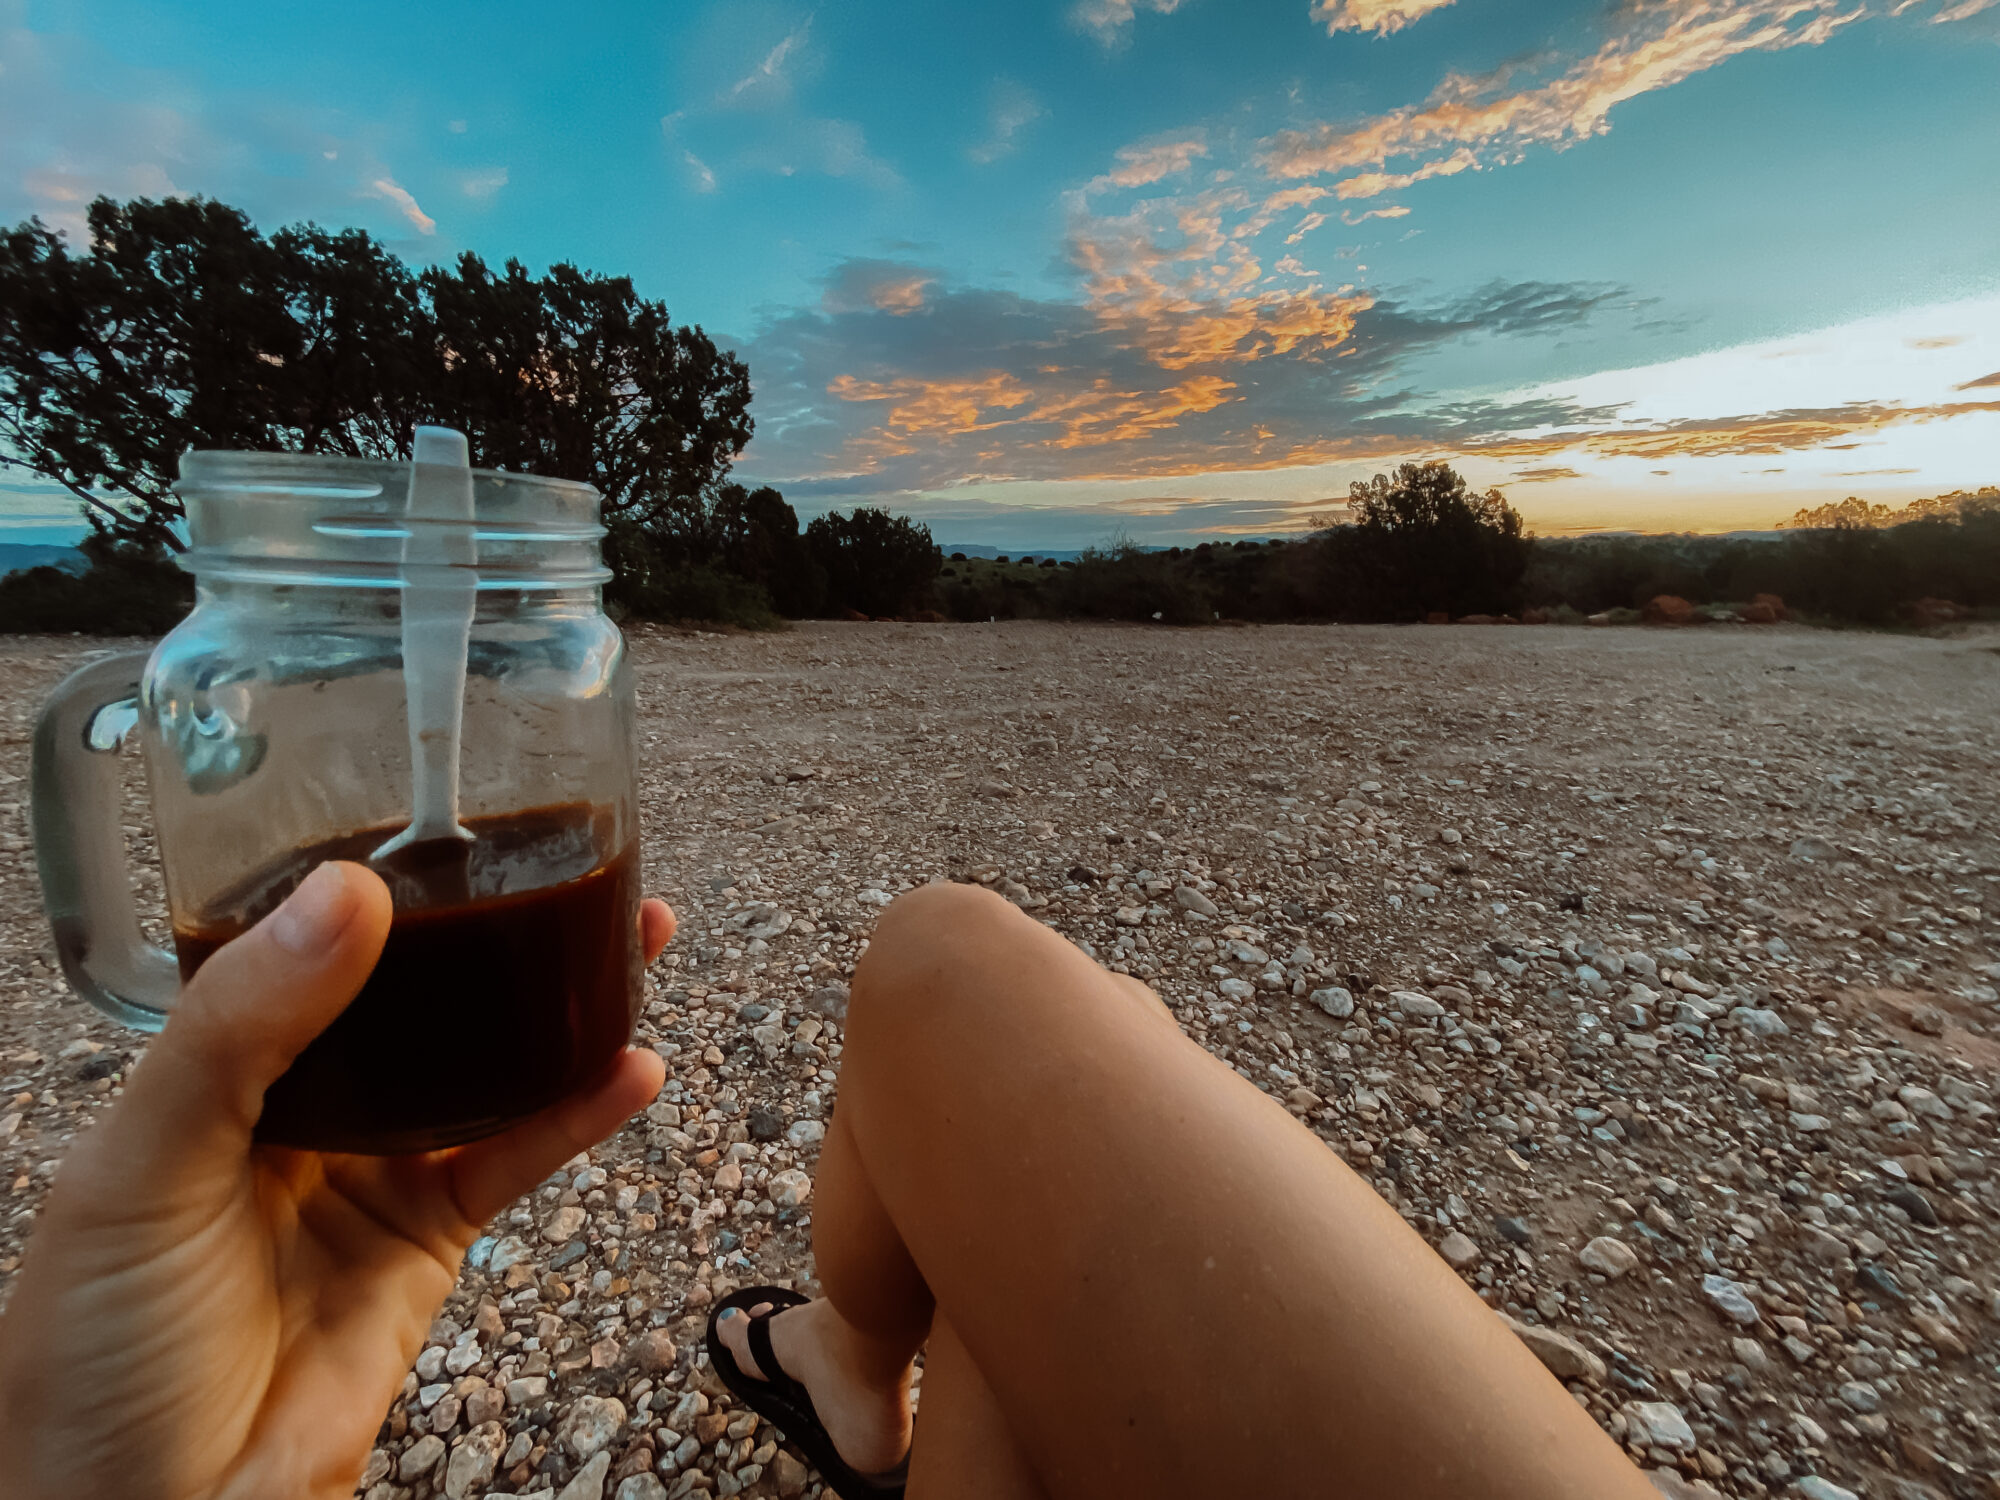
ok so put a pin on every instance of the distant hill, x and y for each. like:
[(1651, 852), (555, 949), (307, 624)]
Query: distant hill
[(976, 549), (14, 556)]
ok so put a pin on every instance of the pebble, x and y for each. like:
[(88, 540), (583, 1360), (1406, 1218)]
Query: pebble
[(1609, 1257), (563, 1225), (790, 1188), (1760, 1023), (1729, 1299), (1193, 900), (1913, 1203), (474, 1460), (1658, 1424), (655, 1351), (420, 1458), (1860, 1396), (591, 1425), (1458, 1250), (1335, 1001), (788, 1474), (1812, 1487), (589, 1481), (1560, 1354)]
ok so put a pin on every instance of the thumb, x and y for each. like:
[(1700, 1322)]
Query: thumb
[(253, 1007)]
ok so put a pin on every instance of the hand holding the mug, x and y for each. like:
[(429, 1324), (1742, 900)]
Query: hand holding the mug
[(200, 1317)]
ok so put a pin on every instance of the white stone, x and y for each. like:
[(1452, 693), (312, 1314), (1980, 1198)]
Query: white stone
[(591, 1425), (564, 1225), (1658, 1424), (474, 1459), (589, 1481), (1609, 1257)]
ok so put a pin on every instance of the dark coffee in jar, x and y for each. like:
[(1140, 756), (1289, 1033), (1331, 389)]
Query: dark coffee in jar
[(511, 979)]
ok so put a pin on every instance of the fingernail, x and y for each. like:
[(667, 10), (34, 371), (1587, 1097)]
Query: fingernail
[(313, 915)]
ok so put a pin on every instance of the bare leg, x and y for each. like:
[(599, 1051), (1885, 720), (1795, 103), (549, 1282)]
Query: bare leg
[(968, 1451), (1169, 1286)]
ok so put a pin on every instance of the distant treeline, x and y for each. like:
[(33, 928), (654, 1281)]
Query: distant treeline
[(1456, 556), (1420, 546)]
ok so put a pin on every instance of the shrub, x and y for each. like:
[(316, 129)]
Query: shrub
[(697, 591), (874, 562), (129, 588)]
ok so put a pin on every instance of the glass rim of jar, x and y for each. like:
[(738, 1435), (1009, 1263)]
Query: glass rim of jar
[(321, 519)]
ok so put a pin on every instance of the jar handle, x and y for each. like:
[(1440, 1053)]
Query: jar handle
[(80, 849)]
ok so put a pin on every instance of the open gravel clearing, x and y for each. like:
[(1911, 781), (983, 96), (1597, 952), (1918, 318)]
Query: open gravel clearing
[(1654, 975)]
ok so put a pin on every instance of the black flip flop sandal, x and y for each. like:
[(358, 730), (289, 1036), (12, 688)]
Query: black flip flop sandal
[(785, 1403)]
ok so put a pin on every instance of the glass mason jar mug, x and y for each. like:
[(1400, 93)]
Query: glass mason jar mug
[(275, 735)]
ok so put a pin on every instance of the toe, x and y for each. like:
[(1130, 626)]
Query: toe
[(733, 1328)]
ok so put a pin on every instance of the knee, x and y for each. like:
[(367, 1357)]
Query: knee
[(939, 922), (924, 938)]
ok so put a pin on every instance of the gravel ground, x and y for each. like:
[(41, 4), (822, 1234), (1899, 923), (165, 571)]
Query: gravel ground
[(1650, 974)]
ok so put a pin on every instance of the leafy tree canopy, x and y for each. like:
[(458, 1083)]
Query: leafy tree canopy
[(185, 327), (875, 563)]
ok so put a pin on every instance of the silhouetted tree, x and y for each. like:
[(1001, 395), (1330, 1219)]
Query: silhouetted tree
[(1423, 542), (876, 563), (185, 327), (757, 538)]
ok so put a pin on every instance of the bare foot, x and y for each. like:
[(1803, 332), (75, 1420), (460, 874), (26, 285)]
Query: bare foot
[(865, 1409)]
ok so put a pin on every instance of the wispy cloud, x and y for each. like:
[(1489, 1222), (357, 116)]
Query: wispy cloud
[(1835, 428), (756, 125), (1950, 10), (1374, 184), (1013, 110), (406, 205), (1653, 47), (1305, 227), (483, 184), (1378, 16), (1143, 164), (768, 78), (703, 175), (1393, 211), (1984, 382), (1110, 21), (1545, 476)]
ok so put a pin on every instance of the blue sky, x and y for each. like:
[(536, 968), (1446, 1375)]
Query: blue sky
[(1044, 272)]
